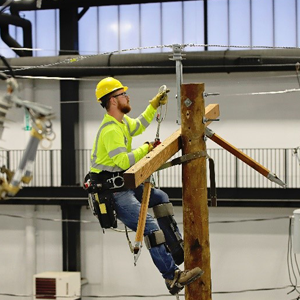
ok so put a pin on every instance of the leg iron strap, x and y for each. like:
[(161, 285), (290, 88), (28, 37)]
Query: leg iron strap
[(154, 239), (164, 214), (163, 210)]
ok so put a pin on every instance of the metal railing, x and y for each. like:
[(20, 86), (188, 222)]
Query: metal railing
[(230, 172)]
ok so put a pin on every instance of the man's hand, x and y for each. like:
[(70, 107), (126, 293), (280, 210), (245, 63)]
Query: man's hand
[(161, 98), (156, 143), (152, 145)]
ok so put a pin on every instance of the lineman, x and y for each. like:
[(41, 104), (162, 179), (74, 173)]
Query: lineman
[(111, 156)]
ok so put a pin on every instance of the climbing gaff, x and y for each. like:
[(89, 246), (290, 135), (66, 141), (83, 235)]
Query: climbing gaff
[(273, 177)]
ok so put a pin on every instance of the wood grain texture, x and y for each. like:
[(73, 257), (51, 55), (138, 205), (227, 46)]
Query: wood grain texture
[(143, 213), (138, 173), (194, 185)]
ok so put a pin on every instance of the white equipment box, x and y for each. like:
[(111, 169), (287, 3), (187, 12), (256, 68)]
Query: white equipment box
[(57, 286)]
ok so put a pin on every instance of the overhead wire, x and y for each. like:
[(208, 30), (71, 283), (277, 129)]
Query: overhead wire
[(78, 58)]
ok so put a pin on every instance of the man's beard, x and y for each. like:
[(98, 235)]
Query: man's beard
[(124, 108)]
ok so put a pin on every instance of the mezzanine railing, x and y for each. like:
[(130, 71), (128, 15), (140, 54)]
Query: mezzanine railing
[(230, 172)]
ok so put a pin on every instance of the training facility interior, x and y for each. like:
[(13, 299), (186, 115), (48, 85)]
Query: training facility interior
[(251, 253)]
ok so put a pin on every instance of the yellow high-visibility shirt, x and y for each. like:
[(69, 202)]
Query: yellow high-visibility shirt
[(112, 145)]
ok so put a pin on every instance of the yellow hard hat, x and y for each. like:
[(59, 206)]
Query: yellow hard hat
[(108, 85)]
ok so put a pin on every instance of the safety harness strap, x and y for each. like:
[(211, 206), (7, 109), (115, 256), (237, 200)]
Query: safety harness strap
[(212, 177)]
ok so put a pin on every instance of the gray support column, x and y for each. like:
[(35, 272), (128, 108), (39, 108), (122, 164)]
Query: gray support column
[(69, 94), (69, 130), (71, 238)]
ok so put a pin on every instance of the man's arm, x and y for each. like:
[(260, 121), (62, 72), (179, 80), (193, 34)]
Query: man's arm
[(118, 155)]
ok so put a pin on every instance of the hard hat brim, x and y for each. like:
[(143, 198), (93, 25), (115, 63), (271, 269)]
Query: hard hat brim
[(116, 89)]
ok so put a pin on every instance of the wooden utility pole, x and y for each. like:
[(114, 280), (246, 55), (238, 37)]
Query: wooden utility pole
[(194, 185)]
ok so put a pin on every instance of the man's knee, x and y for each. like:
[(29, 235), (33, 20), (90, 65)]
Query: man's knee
[(160, 196)]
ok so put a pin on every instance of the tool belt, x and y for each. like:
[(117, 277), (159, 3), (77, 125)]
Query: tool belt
[(100, 188), (104, 181)]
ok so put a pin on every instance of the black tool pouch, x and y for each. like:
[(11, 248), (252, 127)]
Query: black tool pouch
[(102, 207), (101, 203)]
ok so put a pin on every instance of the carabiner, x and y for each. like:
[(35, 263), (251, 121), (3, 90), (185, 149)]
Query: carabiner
[(114, 182)]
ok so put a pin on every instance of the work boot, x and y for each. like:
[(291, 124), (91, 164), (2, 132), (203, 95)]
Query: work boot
[(182, 278)]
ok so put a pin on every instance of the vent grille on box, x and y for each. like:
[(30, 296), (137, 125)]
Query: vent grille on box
[(45, 288)]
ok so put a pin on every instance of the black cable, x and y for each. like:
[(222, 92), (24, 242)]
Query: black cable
[(296, 262), (290, 264), (248, 220), (11, 72), (161, 295), (297, 72), (253, 290), (84, 221)]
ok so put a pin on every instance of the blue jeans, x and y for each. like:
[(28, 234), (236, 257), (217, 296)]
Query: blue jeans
[(127, 205)]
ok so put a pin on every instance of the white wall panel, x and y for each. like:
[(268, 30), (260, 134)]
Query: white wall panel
[(264, 118), (246, 120)]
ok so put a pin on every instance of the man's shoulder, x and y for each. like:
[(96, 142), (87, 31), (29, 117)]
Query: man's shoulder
[(110, 127)]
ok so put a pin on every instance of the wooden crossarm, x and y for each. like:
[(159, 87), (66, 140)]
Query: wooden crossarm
[(139, 172)]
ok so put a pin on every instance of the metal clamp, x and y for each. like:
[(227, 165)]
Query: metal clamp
[(115, 183), (205, 120), (210, 94)]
